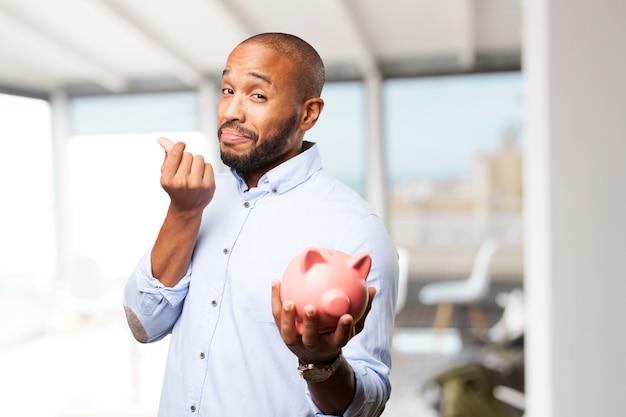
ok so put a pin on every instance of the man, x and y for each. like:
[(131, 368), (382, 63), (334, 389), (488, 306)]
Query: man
[(212, 278)]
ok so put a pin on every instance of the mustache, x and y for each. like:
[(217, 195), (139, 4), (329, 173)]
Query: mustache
[(238, 128)]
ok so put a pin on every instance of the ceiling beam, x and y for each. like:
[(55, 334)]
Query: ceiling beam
[(245, 24), (185, 71), (101, 73), (365, 60), (467, 34)]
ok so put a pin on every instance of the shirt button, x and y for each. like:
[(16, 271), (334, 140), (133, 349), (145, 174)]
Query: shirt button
[(274, 190), (202, 355), (225, 250), (193, 408), (246, 204), (214, 303)]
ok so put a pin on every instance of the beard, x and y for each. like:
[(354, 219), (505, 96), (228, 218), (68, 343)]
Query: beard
[(270, 149)]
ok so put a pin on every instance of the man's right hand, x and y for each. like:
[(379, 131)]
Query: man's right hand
[(190, 183), (187, 179)]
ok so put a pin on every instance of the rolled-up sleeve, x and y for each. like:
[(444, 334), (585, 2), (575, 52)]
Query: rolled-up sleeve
[(371, 394), (372, 391), (151, 308)]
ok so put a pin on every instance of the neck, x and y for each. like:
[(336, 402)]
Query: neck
[(251, 178)]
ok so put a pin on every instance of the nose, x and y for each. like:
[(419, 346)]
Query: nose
[(231, 108)]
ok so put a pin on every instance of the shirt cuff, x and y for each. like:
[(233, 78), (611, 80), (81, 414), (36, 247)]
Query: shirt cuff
[(147, 284), (361, 395), (360, 392)]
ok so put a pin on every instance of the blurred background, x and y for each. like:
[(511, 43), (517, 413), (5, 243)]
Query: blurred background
[(497, 171)]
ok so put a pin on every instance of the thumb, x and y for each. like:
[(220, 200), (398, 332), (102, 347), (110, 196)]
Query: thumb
[(166, 143)]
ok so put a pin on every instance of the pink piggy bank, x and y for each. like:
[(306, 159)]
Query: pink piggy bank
[(330, 280)]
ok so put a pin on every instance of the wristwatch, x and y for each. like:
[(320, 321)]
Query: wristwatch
[(318, 371)]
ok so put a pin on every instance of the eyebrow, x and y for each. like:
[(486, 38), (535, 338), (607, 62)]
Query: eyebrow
[(253, 74)]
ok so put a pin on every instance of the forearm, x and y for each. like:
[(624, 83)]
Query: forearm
[(171, 254), (334, 395)]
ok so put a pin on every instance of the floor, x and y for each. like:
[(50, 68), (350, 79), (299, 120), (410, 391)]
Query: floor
[(35, 379)]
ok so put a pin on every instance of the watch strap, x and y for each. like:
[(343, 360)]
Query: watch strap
[(319, 371)]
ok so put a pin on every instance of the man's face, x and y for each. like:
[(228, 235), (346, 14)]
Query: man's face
[(258, 115)]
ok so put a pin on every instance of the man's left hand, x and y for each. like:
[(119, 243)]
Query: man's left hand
[(311, 345)]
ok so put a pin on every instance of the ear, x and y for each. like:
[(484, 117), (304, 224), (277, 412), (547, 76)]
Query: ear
[(361, 262), (311, 110), (311, 257)]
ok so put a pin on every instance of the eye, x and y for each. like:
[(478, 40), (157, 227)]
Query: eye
[(227, 91), (258, 96)]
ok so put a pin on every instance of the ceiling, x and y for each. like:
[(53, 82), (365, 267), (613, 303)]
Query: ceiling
[(117, 46)]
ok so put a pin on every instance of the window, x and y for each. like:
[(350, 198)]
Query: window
[(454, 156), (340, 133), (117, 203), (27, 235)]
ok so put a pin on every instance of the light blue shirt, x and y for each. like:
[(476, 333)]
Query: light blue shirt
[(226, 357)]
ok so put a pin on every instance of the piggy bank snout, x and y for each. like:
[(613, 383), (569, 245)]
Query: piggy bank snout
[(335, 302)]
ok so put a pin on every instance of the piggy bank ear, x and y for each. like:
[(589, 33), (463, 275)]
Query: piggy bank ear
[(361, 262), (310, 258)]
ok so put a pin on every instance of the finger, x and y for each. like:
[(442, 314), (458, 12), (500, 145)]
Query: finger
[(277, 305), (208, 178), (371, 293), (197, 170), (165, 143), (173, 157), (288, 323), (310, 327), (184, 168), (344, 331)]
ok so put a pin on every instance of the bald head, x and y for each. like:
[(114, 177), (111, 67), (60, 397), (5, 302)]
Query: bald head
[(309, 68)]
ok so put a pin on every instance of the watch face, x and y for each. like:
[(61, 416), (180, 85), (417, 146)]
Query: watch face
[(316, 375)]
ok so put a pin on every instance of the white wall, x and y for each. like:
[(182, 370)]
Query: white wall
[(575, 69)]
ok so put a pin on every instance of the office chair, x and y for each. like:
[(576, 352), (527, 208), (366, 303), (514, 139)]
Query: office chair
[(470, 291)]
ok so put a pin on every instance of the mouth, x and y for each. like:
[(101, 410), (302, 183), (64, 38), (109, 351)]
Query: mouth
[(233, 136)]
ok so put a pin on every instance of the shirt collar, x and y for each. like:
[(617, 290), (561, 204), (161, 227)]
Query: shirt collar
[(290, 173)]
